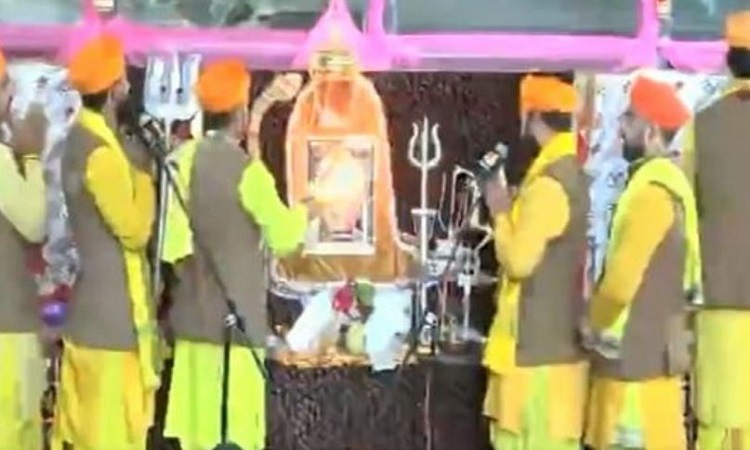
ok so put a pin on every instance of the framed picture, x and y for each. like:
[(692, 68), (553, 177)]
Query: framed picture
[(340, 174)]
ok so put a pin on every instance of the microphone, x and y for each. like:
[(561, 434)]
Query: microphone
[(152, 132), (491, 166)]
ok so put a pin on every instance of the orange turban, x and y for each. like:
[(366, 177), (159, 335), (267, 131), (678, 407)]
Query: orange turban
[(223, 86), (2, 65), (546, 93), (658, 103), (737, 30), (97, 65)]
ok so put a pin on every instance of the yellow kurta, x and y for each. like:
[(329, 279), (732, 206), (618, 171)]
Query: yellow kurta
[(106, 397), (526, 412), (646, 414), (722, 371), (195, 391), (22, 370)]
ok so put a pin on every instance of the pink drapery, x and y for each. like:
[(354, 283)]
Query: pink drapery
[(377, 50)]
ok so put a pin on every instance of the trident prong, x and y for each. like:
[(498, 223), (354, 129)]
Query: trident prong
[(413, 144), (435, 160), (427, 135)]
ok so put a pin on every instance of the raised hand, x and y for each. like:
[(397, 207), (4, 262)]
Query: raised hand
[(283, 88), (29, 135)]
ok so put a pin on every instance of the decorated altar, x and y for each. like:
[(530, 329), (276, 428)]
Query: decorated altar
[(386, 265)]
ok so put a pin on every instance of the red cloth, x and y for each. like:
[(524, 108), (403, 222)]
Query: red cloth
[(582, 151), (35, 261)]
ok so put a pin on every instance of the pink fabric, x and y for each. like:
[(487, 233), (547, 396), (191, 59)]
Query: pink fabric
[(373, 54), (376, 49), (695, 56)]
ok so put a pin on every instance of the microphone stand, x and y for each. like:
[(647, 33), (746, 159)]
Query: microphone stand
[(233, 321)]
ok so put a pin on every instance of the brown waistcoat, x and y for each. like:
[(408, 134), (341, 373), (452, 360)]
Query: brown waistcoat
[(722, 143), (100, 312), (232, 242), (552, 305), (19, 307), (655, 341)]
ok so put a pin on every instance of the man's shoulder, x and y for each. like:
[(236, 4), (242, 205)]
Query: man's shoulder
[(81, 141)]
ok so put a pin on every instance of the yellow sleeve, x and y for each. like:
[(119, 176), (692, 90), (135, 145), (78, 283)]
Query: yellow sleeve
[(22, 197), (688, 152), (543, 215), (643, 229), (129, 214), (283, 228)]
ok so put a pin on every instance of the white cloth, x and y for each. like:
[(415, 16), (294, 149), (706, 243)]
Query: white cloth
[(387, 327)]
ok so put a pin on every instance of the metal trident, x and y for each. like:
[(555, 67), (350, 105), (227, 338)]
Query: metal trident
[(424, 161), (420, 157)]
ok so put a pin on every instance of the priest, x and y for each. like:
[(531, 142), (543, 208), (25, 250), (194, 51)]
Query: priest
[(235, 210), (109, 368), (22, 223), (720, 141), (537, 370), (637, 314)]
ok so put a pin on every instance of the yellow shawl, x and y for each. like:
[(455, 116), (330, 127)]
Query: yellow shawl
[(500, 353)]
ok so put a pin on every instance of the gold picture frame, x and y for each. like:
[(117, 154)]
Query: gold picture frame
[(340, 173)]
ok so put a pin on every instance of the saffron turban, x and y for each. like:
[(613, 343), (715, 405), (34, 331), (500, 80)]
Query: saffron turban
[(737, 30), (223, 86), (544, 93), (658, 103), (97, 65), (2, 65)]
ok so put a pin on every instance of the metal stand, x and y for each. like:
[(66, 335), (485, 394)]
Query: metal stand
[(156, 274), (230, 322), (424, 220)]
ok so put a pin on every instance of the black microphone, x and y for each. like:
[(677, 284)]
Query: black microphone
[(491, 166), (152, 133)]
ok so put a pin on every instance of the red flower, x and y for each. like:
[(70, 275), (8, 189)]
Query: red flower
[(343, 299)]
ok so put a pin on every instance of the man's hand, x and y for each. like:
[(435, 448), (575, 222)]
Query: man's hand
[(283, 88), (587, 336), (314, 208), (496, 197), (29, 135)]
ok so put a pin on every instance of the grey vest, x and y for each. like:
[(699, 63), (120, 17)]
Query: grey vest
[(100, 314), (722, 133), (655, 341), (19, 306), (232, 244), (552, 304)]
